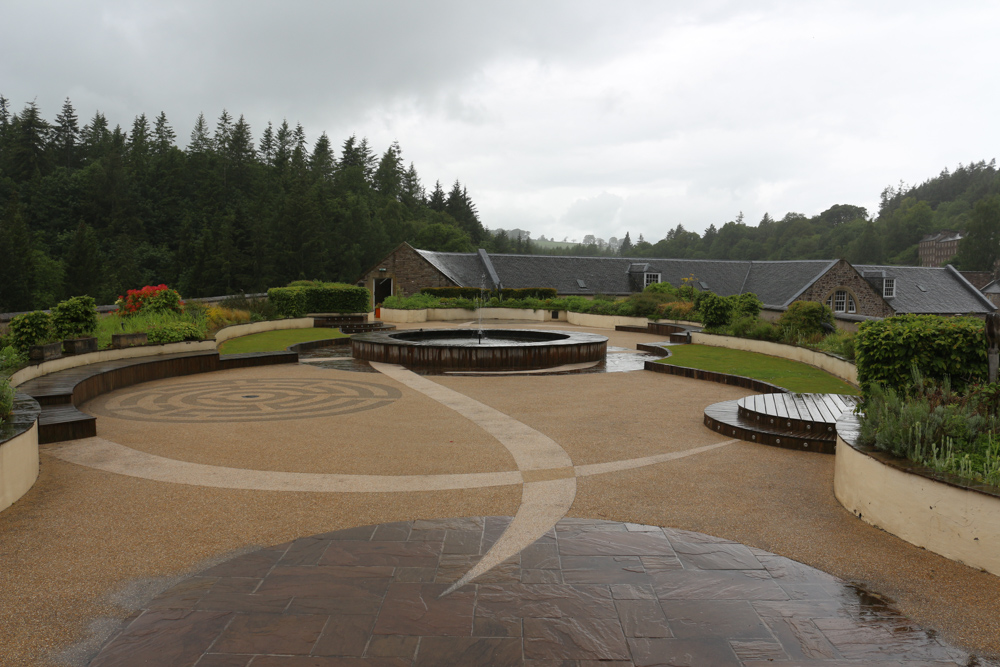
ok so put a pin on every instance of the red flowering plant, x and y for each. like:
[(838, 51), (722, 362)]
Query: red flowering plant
[(150, 299)]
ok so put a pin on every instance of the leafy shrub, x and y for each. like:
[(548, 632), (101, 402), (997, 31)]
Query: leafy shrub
[(715, 310), (298, 300), (11, 359), (75, 317), (744, 305), (174, 333), (764, 330), (840, 343), (939, 347), (665, 289), (806, 317), (217, 317), (30, 329), (6, 399), (677, 310)]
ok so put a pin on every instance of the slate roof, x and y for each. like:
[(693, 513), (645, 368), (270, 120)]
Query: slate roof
[(464, 268), (931, 289), (945, 290)]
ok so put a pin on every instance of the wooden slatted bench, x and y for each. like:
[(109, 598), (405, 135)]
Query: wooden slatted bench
[(59, 393)]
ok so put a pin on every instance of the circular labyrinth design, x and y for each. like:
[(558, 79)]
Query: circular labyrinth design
[(246, 400)]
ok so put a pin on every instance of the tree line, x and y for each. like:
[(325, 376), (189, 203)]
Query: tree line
[(91, 209), (966, 199)]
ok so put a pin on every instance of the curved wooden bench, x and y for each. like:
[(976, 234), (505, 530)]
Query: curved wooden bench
[(59, 393)]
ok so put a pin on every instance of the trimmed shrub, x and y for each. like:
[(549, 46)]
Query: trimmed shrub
[(715, 310), (301, 299), (30, 329), (75, 317), (528, 293), (806, 317), (456, 292), (678, 310), (939, 347), (174, 333)]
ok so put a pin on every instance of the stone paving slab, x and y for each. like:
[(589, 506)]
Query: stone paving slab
[(616, 594)]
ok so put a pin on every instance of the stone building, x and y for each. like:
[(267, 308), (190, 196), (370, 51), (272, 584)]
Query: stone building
[(938, 249), (853, 292)]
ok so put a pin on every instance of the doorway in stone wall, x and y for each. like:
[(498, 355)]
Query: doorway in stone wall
[(383, 289)]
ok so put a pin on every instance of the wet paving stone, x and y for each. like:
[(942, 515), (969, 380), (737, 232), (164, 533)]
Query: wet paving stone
[(587, 593)]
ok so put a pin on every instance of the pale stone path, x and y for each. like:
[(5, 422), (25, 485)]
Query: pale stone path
[(544, 469)]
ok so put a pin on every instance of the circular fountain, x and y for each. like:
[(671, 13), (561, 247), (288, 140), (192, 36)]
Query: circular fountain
[(478, 349)]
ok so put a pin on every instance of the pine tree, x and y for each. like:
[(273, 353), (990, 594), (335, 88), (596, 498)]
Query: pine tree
[(29, 136), (321, 162), (267, 145), (200, 142), (163, 135), (413, 194), (437, 198), (84, 270), (626, 246), (223, 132), (389, 175), (66, 137), (283, 146), (139, 142), (96, 138), (16, 260)]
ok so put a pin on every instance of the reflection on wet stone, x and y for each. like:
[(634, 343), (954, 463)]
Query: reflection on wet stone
[(588, 593)]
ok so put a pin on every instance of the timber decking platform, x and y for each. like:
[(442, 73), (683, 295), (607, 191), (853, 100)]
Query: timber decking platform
[(59, 393), (805, 422)]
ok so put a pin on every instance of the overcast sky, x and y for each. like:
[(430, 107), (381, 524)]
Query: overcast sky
[(563, 118)]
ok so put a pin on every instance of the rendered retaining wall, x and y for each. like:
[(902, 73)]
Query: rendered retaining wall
[(958, 523), (396, 316), (604, 321), (63, 363), (224, 334), (845, 370), (237, 330), (19, 450)]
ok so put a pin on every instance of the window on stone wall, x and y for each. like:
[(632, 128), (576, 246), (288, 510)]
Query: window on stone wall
[(842, 301), (889, 288), (651, 279), (851, 308)]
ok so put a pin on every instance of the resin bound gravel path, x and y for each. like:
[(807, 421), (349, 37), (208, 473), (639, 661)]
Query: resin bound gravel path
[(87, 549)]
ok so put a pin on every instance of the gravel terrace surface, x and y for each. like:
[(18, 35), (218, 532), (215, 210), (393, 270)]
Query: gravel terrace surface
[(85, 548)]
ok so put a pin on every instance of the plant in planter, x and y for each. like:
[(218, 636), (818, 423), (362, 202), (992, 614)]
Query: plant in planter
[(151, 298), (75, 321), (32, 333)]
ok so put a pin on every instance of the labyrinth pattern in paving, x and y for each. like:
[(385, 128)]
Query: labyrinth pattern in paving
[(246, 400)]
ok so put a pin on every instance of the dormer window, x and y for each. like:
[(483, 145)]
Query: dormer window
[(889, 288), (651, 279)]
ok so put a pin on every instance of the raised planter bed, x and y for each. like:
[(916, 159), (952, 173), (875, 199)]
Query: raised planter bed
[(120, 341), (40, 353), (19, 450), (948, 515), (80, 345)]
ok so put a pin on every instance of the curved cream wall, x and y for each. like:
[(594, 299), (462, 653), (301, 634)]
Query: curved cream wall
[(956, 523), (395, 316), (604, 321), (18, 466), (62, 363), (237, 330), (845, 370)]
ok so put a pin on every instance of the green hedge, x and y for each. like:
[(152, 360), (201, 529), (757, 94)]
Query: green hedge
[(505, 293), (34, 328), (940, 347), (301, 299)]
